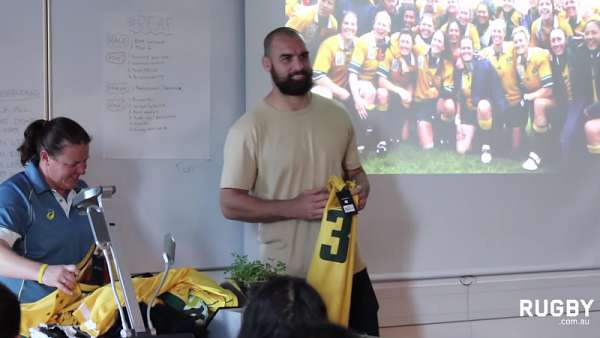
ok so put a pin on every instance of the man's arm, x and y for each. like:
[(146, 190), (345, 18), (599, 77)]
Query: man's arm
[(12, 265), (237, 204), (359, 176)]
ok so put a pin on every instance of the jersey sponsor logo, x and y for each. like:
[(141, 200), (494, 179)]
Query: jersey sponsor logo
[(395, 65), (50, 215), (372, 53), (340, 58)]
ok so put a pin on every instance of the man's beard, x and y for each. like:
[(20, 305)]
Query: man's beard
[(289, 86)]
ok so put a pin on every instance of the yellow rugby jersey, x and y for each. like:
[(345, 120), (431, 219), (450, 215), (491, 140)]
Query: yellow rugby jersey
[(535, 72), (307, 17), (95, 311), (576, 26), (332, 60), (470, 32), (396, 68), (504, 65), (332, 266), (431, 77), (540, 36), (366, 57), (420, 46)]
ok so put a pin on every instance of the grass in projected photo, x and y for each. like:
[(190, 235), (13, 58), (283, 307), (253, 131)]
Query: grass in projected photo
[(478, 85), (409, 159)]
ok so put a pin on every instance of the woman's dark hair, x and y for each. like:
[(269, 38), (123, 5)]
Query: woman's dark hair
[(52, 135), (279, 306), (10, 313), (322, 330)]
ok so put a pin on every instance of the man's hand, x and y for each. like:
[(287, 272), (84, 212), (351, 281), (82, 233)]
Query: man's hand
[(362, 186), (310, 204), (362, 196), (62, 277)]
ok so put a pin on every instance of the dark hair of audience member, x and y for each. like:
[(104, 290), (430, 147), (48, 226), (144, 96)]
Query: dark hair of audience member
[(322, 330), (279, 306), (52, 135), (10, 313)]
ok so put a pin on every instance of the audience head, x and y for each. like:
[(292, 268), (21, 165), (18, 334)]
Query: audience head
[(322, 330), (279, 306), (10, 313)]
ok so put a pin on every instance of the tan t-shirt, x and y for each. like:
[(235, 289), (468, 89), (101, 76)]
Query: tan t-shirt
[(277, 155)]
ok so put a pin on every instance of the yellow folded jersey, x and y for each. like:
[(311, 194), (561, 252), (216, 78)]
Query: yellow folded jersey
[(93, 308)]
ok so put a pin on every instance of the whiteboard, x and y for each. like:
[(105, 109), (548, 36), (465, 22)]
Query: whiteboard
[(156, 194), (21, 83)]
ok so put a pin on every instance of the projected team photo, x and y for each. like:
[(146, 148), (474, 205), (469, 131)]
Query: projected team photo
[(448, 86)]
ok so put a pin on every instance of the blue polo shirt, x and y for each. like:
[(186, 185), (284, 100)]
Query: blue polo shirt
[(48, 235)]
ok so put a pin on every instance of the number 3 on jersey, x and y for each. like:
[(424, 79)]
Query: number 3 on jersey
[(343, 236)]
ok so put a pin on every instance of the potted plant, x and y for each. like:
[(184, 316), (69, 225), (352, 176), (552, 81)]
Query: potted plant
[(249, 274)]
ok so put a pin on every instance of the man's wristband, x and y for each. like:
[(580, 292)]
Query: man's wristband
[(43, 268)]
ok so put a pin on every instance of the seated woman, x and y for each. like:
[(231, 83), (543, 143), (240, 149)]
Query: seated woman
[(480, 95), (535, 77), (280, 307), (587, 84), (42, 235)]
